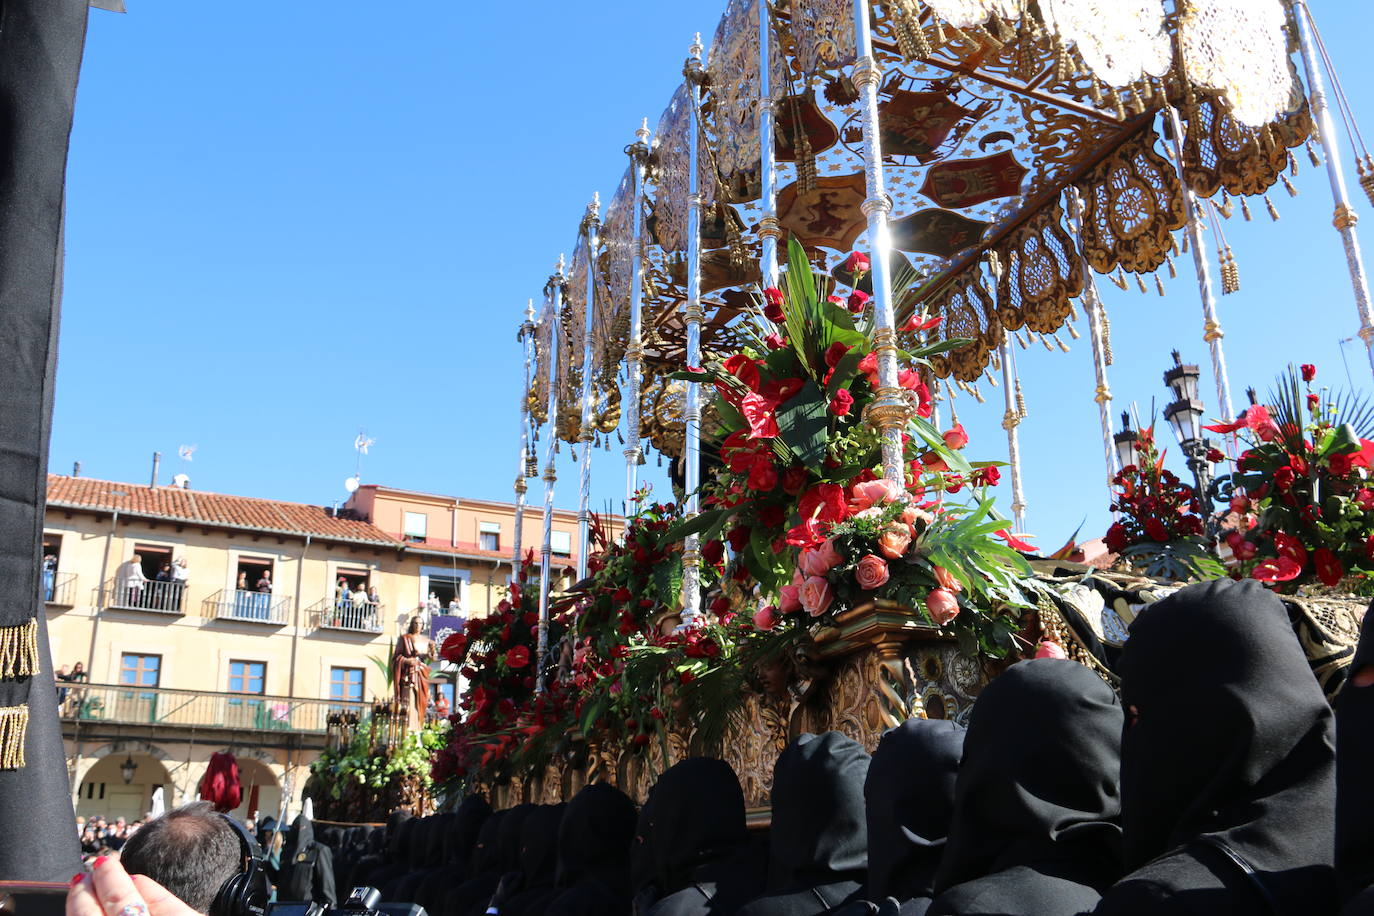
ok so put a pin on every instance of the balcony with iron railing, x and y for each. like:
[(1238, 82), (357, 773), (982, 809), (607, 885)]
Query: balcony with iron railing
[(59, 588), (331, 614), (148, 595), (160, 706), (254, 607)]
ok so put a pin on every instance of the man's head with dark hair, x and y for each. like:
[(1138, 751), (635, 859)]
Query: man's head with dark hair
[(190, 850)]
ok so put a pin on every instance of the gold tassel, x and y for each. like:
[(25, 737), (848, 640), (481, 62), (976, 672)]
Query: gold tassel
[(1245, 209), (1073, 331), (1159, 285), (1273, 210), (1095, 88), (996, 362), (992, 379), (1230, 273), (19, 650), (1367, 176), (1106, 335), (939, 30), (1020, 400), (1227, 207), (1021, 340), (14, 726), (1048, 346), (1140, 282), (1117, 105), (1061, 61), (1137, 98), (1312, 155), (1183, 249), (977, 396), (1062, 346), (1173, 271), (1292, 164), (1120, 279), (1288, 185), (1005, 32)]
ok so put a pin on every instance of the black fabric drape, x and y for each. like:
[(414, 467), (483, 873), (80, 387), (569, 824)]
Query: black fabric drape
[(1034, 828), (1355, 777), (41, 42), (1227, 764)]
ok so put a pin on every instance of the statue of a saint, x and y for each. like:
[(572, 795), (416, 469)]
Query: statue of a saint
[(410, 674)]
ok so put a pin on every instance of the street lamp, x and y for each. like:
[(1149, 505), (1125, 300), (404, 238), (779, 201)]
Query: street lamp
[(1185, 416), (1127, 443), (127, 769)]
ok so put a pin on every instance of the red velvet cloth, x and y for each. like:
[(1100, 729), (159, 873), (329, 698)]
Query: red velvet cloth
[(220, 785)]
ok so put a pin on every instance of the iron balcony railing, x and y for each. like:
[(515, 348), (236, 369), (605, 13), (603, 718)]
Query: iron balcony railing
[(257, 607), (59, 588), (129, 704), (148, 595), (330, 614)]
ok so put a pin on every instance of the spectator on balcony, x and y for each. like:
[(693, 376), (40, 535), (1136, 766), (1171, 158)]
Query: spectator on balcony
[(341, 595), (263, 598), (453, 606), (49, 575), (243, 598), (129, 582), (432, 605), (180, 576), (162, 591), (374, 597), (359, 607)]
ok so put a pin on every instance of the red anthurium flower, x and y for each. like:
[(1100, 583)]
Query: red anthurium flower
[(1285, 545), (454, 648), (918, 322), (857, 263), (744, 369), (1231, 427), (1329, 569), (517, 657), (1276, 569), (1261, 423), (1309, 372), (1215, 456), (824, 502), (841, 402), (1014, 542), (758, 412)]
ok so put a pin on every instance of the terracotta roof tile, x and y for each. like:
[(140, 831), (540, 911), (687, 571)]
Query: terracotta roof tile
[(219, 509)]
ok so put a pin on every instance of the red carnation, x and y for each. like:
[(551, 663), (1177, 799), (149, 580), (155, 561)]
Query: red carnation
[(1116, 539)]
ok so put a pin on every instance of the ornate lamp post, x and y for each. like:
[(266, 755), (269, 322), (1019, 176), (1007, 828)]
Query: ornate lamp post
[(1185, 416), (1127, 443)]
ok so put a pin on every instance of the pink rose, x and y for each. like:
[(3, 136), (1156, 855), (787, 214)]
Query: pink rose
[(956, 437), (893, 542), (945, 579), (871, 572), (815, 595), (872, 492), (1050, 649), (943, 606), (911, 515), (819, 560), (857, 263), (766, 617), (788, 601)]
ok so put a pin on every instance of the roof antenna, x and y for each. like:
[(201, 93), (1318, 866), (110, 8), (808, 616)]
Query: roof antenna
[(76, 468), (157, 460)]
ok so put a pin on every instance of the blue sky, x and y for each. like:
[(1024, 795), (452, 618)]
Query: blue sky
[(287, 221)]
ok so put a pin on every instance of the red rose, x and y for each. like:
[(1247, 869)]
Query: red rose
[(622, 595), (956, 437), (841, 402), (773, 296), (1156, 530), (1309, 372), (766, 617), (774, 313), (772, 516), (857, 263), (1313, 402), (713, 551), (834, 353), (738, 538), (793, 479), (871, 572), (1329, 569), (989, 475), (775, 341), (762, 475), (517, 657), (686, 677), (942, 605), (1340, 465), (1283, 479), (857, 300), (1365, 499)]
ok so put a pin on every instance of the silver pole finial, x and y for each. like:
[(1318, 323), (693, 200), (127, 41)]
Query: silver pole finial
[(696, 48)]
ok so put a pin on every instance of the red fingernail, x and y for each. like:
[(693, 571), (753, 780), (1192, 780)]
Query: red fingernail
[(99, 861), (76, 878)]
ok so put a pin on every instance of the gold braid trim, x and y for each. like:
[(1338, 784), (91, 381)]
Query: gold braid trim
[(19, 650), (14, 724)]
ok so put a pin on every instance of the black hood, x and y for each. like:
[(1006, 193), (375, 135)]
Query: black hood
[(396, 826), (1354, 768), (1231, 737), (818, 834), (1038, 784), (909, 798), (486, 852), (437, 842), (463, 829), (539, 845), (298, 839), (508, 840), (595, 836), (643, 863), (698, 818)]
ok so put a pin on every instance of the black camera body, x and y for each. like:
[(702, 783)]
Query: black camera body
[(362, 901)]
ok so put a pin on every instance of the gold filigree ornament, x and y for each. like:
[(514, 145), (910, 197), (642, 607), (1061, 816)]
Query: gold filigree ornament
[(1221, 153), (1119, 41), (1044, 273), (1132, 202), (969, 312), (1240, 49)]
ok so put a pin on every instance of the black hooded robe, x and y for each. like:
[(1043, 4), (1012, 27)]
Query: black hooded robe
[(484, 867), (818, 842), (533, 888), (459, 838), (1227, 763), (702, 842), (1354, 785), (594, 843), (307, 866), (1036, 801)]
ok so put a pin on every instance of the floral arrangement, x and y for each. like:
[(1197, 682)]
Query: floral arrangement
[(362, 781), (1159, 528), (1303, 510), (798, 499), (500, 716)]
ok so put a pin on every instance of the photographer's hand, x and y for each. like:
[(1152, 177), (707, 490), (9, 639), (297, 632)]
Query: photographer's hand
[(109, 890)]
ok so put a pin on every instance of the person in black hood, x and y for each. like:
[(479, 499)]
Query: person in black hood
[(430, 841), (411, 854), (460, 834), (594, 853), (1227, 762), (307, 867), (484, 866), (1354, 787), (643, 877), (909, 800), (379, 867), (529, 889), (1034, 831), (818, 842), (701, 844)]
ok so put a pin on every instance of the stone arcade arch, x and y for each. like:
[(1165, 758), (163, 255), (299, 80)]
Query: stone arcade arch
[(101, 789)]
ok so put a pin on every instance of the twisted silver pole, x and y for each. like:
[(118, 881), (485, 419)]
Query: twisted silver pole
[(1092, 306), (590, 224), (769, 230), (1211, 326), (1345, 217), (890, 411), (1010, 420), (527, 339), (691, 554), (634, 353), (552, 308)]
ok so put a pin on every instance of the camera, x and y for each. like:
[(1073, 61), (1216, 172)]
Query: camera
[(362, 901)]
